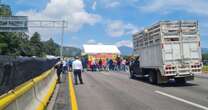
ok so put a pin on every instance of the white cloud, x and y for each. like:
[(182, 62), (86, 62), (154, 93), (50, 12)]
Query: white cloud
[(100, 43), (127, 43), (94, 42), (190, 6), (94, 5), (113, 4), (118, 28), (115, 28), (71, 10), (91, 41)]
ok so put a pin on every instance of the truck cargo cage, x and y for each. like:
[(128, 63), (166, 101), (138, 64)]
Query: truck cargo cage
[(175, 43)]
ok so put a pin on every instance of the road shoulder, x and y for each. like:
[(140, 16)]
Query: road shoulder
[(62, 98)]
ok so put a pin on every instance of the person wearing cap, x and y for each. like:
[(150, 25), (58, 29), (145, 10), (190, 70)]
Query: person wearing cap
[(77, 70)]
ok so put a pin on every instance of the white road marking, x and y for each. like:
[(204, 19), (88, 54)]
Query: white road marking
[(182, 100)]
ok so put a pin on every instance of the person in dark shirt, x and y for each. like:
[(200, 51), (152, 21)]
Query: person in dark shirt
[(137, 62), (110, 64), (84, 64), (137, 65), (70, 64), (100, 64), (118, 64), (59, 70)]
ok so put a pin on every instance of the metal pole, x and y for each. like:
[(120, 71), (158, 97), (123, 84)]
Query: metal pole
[(62, 39)]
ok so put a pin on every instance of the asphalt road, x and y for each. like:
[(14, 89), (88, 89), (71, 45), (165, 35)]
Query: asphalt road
[(115, 91)]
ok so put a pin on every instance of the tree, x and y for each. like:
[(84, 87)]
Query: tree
[(16, 44), (25, 48), (51, 48), (19, 44), (9, 43), (37, 48), (204, 56), (5, 10)]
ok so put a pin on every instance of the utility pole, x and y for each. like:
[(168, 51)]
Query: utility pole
[(62, 39)]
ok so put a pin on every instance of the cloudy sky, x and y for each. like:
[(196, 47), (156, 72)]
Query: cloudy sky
[(109, 21)]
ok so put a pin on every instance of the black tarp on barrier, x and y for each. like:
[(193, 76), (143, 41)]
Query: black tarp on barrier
[(17, 70)]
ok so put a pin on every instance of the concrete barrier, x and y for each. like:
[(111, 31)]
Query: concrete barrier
[(32, 95)]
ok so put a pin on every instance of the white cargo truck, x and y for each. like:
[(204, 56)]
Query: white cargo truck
[(168, 50)]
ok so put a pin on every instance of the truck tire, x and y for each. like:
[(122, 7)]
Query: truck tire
[(152, 77), (180, 80)]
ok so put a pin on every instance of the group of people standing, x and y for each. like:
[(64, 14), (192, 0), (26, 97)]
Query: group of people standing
[(118, 64), (77, 65), (74, 65)]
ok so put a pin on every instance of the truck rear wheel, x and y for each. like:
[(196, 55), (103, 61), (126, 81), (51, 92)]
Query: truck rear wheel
[(180, 80), (152, 77)]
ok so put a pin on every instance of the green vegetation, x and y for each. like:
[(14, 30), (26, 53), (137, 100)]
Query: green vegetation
[(205, 69), (51, 48), (37, 48), (19, 44), (5, 10), (204, 56)]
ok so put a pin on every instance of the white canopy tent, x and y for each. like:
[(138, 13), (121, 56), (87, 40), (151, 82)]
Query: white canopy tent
[(96, 49)]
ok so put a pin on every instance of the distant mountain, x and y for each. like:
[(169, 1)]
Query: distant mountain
[(71, 51), (205, 50), (125, 50)]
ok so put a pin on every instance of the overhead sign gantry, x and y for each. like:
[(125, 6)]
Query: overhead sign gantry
[(22, 24)]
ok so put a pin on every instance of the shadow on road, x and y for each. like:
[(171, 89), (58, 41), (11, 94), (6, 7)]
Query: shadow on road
[(171, 83), (174, 84)]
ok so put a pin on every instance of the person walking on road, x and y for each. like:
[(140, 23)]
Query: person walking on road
[(59, 70), (77, 70)]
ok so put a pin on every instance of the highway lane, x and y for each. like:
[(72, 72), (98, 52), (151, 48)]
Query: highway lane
[(115, 91)]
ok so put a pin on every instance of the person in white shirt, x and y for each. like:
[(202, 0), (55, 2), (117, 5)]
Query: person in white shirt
[(123, 65), (77, 70), (65, 69)]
